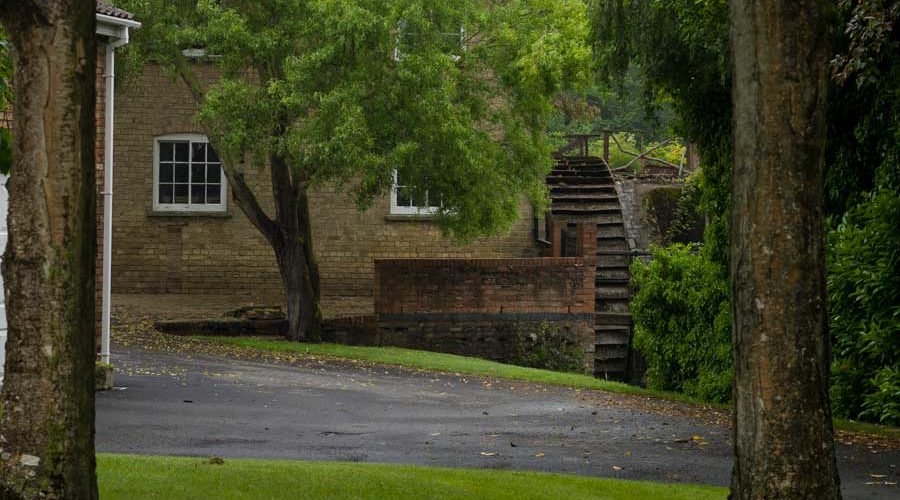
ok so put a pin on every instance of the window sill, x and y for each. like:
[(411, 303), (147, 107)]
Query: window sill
[(410, 217), (188, 213)]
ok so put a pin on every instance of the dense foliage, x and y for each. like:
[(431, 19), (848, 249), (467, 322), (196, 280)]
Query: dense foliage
[(548, 349), (682, 47), (864, 305), (863, 188), (682, 321)]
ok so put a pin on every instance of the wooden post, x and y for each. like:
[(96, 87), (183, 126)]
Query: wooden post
[(606, 147), (586, 239), (555, 237)]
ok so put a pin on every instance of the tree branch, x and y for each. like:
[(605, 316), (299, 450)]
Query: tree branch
[(183, 68), (248, 203)]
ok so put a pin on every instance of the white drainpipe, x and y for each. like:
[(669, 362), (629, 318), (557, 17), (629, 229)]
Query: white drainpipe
[(108, 129)]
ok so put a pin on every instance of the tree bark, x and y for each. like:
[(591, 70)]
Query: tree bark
[(294, 252), (783, 441), (47, 423)]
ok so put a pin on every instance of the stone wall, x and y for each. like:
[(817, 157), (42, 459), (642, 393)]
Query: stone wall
[(223, 253), (481, 307), (649, 207), (632, 192)]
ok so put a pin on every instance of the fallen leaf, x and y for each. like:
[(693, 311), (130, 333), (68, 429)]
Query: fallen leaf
[(539, 454)]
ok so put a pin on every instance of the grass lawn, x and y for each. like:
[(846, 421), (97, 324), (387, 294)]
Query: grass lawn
[(475, 366), (139, 477)]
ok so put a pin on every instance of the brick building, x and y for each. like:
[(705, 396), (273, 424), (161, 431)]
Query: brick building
[(175, 235)]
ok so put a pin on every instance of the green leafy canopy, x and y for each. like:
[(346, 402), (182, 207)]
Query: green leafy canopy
[(453, 94)]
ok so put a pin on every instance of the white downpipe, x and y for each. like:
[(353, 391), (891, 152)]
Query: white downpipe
[(108, 128)]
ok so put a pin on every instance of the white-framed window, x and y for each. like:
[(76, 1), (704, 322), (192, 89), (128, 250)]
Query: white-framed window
[(187, 175), (404, 39), (403, 201)]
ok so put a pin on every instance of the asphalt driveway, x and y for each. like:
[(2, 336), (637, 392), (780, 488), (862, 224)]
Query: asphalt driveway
[(181, 404)]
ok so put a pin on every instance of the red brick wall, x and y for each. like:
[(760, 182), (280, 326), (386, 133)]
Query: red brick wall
[(496, 286), (484, 307)]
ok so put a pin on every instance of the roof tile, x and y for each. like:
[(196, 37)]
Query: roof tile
[(110, 10)]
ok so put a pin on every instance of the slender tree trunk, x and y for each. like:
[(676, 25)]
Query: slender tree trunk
[(289, 233), (783, 440), (294, 253), (47, 423)]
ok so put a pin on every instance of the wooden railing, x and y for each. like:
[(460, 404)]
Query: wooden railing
[(581, 144)]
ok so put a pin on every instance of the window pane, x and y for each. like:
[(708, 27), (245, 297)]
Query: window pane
[(214, 174), (166, 151), (181, 193), (212, 157), (181, 172), (214, 194), (198, 152), (197, 195), (165, 193), (404, 198), (198, 173), (420, 199), (165, 172), (181, 151)]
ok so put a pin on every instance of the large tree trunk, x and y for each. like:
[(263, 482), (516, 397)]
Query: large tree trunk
[(47, 423), (783, 440)]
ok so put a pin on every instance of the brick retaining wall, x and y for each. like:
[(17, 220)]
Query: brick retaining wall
[(481, 307)]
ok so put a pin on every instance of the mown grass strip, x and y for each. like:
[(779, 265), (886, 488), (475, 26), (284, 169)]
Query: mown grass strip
[(172, 478)]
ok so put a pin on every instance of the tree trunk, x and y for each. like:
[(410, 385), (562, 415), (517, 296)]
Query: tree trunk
[(294, 253), (783, 441), (47, 423)]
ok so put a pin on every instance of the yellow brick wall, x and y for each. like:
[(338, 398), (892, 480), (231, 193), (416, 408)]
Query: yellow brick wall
[(214, 254)]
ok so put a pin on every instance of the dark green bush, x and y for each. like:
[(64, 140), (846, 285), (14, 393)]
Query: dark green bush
[(864, 311), (682, 322), (549, 349)]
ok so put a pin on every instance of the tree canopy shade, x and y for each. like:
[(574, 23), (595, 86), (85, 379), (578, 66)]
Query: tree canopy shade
[(452, 94)]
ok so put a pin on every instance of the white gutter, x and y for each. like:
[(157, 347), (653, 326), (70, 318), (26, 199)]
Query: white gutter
[(115, 42)]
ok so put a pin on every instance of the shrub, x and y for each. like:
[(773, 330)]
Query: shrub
[(549, 349), (864, 311), (682, 319)]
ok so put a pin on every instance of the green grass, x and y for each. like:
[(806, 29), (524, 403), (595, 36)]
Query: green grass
[(139, 477), (434, 361), (450, 363)]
